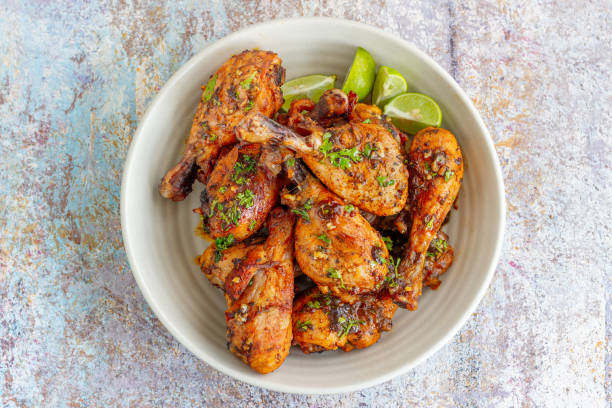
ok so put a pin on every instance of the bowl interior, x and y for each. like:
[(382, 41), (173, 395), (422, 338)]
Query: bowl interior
[(159, 234)]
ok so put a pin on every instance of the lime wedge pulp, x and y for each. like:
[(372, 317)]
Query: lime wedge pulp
[(389, 83), (360, 76), (412, 112), (311, 87)]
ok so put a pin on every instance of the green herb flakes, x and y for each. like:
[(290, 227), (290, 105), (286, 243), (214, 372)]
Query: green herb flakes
[(221, 244), (210, 88), (347, 325), (383, 182), (388, 242), (448, 174), (314, 304), (303, 326), (245, 199), (335, 274), (246, 84), (324, 238), (430, 222), (249, 106), (326, 146)]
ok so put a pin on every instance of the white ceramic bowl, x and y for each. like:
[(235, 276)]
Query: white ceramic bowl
[(159, 234)]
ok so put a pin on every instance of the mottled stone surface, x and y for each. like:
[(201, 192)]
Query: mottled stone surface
[(75, 77)]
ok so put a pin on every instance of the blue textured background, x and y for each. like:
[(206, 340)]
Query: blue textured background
[(75, 77)]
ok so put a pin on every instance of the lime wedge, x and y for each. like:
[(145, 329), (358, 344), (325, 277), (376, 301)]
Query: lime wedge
[(311, 87), (389, 83), (412, 112), (360, 76)]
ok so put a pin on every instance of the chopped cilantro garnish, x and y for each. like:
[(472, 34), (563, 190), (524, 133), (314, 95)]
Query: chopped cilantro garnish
[(430, 222), (303, 326), (324, 238), (335, 274), (313, 304), (231, 216), (391, 280), (388, 242), (439, 246), (223, 189), (367, 150), (252, 225), (212, 208), (347, 325), (349, 208), (303, 212), (382, 180), (222, 244), (366, 121), (448, 174), (245, 198), (244, 166), (326, 146), (290, 162), (246, 84), (249, 106), (210, 88)]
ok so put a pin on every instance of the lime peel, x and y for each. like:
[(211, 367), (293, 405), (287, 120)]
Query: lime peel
[(411, 112), (361, 74)]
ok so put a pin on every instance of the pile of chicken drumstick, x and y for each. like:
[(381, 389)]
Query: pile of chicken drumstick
[(299, 200)]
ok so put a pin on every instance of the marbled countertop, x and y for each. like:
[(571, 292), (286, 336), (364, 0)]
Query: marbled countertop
[(75, 77)]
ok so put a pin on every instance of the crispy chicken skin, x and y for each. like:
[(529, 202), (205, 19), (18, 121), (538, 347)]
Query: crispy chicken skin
[(361, 162), (241, 191), (334, 245), (258, 284), (323, 322), (436, 168), (249, 81)]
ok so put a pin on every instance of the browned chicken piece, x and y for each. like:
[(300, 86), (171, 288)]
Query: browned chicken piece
[(335, 108), (436, 168), (361, 162), (334, 245), (323, 322), (218, 264), (258, 284), (241, 191), (439, 258), (247, 82), (259, 317)]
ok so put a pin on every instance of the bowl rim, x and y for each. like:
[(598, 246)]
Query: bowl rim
[(261, 381)]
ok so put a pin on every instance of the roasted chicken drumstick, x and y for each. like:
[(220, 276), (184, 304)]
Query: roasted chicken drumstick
[(241, 191), (258, 284), (323, 322), (334, 245), (247, 82), (361, 162), (436, 169)]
